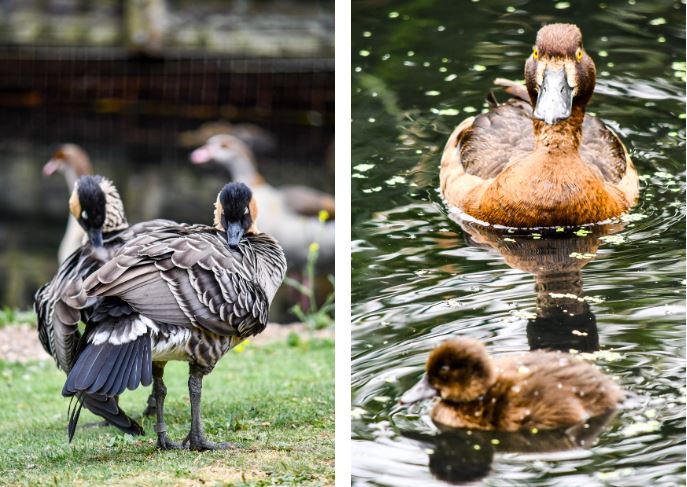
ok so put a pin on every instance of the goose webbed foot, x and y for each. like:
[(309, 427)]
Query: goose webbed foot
[(164, 443), (199, 443)]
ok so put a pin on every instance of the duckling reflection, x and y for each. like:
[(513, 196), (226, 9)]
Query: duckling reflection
[(458, 456), (555, 257)]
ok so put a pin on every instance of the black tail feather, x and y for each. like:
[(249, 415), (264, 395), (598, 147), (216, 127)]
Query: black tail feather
[(105, 407), (109, 369)]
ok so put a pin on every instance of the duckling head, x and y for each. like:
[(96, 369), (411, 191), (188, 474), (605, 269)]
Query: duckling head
[(236, 212), (69, 158), (559, 73), (458, 370), (96, 205)]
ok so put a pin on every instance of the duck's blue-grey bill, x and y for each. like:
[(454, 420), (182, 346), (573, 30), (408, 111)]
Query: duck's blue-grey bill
[(554, 102), (421, 390)]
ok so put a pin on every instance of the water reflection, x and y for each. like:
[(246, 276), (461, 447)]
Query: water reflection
[(461, 456), (555, 257)]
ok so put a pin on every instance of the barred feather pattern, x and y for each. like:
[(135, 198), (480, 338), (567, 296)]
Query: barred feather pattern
[(59, 303), (194, 288)]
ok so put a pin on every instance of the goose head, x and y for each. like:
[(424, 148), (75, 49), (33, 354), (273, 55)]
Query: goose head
[(70, 160), (224, 149), (458, 370), (559, 74), (236, 212), (96, 205)]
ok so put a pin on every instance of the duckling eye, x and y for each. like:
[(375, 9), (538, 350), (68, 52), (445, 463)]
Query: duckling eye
[(535, 53), (245, 212), (444, 370), (84, 215), (578, 54)]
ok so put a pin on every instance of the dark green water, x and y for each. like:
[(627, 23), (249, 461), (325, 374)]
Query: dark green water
[(419, 68)]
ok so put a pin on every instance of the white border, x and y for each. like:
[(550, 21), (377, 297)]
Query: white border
[(343, 241)]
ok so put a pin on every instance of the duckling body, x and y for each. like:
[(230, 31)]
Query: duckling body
[(540, 389), (546, 163)]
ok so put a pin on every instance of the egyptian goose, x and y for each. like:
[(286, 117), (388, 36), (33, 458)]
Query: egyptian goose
[(73, 162), (290, 213), (184, 292)]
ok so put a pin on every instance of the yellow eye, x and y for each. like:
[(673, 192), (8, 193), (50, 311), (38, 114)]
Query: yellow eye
[(578, 54), (535, 53)]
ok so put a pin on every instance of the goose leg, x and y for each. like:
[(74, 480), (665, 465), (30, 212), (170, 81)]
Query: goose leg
[(160, 392), (196, 438), (151, 408)]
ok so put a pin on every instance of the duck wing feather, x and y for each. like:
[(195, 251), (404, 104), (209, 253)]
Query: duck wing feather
[(504, 134)]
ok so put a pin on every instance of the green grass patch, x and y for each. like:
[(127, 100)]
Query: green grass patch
[(275, 401)]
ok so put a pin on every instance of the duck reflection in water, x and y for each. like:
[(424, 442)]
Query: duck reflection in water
[(458, 456), (555, 256)]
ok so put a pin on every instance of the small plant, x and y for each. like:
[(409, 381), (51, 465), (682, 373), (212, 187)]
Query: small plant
[(314, 317), (9, 316)]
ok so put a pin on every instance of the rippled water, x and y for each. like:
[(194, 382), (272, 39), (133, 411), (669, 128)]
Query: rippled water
[(420, 67)]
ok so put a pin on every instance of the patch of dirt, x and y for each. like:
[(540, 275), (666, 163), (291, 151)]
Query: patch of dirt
[(19, 343)]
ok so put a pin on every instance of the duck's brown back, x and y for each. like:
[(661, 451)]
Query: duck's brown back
[(504, 134)]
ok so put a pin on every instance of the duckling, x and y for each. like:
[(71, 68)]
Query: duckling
[(183, 292), (96, 206), (73, 162), (291, 211), (543, 390), (546, 163)]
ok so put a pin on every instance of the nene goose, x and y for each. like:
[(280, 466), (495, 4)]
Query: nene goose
[(292, 216), (184, 292), (96, 206), (73, 162)]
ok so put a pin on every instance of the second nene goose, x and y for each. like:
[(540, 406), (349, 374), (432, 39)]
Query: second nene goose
[(96, 206), (184, 292)]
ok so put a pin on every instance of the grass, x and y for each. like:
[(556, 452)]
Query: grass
[(275, 401)]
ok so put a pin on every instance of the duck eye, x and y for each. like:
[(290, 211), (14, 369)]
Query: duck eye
[(245, 212), (535, 53), (84, 215), (578, 54)]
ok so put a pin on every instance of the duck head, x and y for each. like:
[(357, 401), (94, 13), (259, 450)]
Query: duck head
[(236, 212), (559, 74), (458, 370), (96, 205)]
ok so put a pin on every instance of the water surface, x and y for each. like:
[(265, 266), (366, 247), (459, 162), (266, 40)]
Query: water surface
[(616, 292)]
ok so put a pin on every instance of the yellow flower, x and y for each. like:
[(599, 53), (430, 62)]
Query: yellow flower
[(241, 347), (314, 247), (324, 215)]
